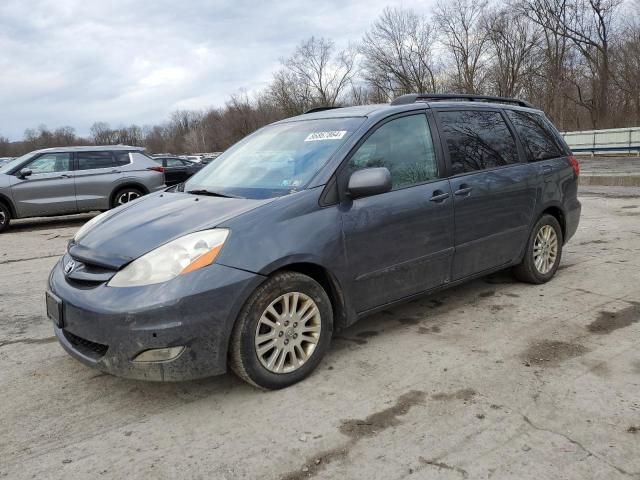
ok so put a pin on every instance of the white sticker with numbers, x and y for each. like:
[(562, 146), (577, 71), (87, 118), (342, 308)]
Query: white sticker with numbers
[(330, 135)]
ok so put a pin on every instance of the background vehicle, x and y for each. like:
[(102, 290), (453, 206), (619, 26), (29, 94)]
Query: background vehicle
[(177, 170), (4, 160), (310, 224), (59, 181)]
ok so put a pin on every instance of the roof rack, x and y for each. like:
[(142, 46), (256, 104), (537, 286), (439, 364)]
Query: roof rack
[(435, 97), (319, 109)]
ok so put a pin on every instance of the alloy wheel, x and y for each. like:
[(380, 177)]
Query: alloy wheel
[(127, 196), (288, 332), (545, 249)]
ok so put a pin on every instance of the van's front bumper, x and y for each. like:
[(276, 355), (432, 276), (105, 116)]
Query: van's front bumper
[(107, 328)]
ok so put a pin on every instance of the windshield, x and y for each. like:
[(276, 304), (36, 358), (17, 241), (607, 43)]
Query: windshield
[(276, 160), (15, 162)]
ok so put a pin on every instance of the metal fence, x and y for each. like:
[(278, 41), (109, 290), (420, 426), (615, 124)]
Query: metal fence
[(611, 141)]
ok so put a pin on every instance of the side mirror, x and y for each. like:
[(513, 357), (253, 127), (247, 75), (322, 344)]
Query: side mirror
[(369, 181), (24, 173)]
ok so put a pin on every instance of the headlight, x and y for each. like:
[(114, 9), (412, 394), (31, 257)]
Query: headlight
[(183, 255), (89, 225)]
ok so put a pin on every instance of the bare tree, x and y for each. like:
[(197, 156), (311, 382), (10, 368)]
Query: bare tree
[(324, 71), (589, 25), (627, 69), (102, 134), (513, 42), (398, 54), (291, 92), (465, 38)]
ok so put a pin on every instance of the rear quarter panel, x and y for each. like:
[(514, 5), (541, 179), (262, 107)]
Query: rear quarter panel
[(558, 190)]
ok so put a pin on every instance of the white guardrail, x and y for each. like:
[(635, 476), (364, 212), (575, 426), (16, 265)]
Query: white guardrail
[(611, 141)]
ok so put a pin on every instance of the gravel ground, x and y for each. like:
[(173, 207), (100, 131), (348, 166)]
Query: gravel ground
[(493, 379)]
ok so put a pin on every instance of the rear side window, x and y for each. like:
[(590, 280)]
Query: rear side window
[(175, 162), (94, 160), (477, 140), (539, 141), (122, 159), (404, 146)]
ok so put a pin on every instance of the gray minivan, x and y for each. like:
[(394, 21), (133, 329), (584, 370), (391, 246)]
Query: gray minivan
[(66, 180), (308, 225)]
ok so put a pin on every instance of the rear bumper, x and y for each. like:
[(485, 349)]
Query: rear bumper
[(106, 328), (572, 219)]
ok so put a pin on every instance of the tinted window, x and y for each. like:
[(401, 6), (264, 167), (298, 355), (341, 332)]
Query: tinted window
[(93, 160), (175, 162), (538, 139), (477, 140), (50, 163), (122, 158), (402, 145)]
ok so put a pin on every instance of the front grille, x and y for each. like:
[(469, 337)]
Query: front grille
[(86, 347), (86, 275)]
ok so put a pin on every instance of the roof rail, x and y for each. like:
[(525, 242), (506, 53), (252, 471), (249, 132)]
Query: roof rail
[(319, 109), (435, 97)]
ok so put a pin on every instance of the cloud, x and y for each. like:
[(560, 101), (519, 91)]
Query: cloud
[(73, 62)]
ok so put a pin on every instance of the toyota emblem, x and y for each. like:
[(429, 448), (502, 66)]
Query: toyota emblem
[(69, 266)]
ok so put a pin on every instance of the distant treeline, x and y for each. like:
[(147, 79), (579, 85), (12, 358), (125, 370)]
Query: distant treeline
[(578, 60)]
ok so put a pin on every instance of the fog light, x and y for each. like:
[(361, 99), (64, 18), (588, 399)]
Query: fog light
[(159, 354)]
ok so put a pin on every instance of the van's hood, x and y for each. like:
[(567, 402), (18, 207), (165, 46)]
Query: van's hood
[(132, 230)]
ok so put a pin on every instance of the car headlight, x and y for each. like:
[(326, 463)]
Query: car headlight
[(84, 229), (183, 255)]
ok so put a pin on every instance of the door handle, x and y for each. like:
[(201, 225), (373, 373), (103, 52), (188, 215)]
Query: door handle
[(463, 190), (64, 175), (116, 171), (547, 170), (439, 196)]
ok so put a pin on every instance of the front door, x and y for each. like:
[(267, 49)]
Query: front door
[(399, 243), (49, 190), (494, 189)]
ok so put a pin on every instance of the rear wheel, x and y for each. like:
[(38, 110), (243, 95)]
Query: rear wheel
[(125, 195), (282, 332), (5, 217), (544, 250)]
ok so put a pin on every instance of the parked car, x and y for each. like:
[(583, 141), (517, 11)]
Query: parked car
[(5, 160), (308, 225), (177, 170), (60, 181), (207, 159)]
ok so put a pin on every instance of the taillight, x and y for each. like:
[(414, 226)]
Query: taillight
[(156, 169), (574, 164)]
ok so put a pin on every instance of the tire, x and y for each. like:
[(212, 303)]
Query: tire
[(249, 352), (125, 195), (5, 217), (529, 270)]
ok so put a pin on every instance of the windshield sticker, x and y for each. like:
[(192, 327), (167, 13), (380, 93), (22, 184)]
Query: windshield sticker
[(331, 135)]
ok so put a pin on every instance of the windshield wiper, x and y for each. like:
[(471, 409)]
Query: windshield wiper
[(209, 193)]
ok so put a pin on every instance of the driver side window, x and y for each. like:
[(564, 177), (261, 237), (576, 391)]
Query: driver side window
[(405, 147), (50, 163)]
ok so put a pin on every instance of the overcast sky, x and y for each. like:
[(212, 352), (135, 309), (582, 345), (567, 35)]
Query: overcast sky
[(73, 62)]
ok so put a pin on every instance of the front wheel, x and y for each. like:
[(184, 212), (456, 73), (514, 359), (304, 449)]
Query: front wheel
[(544, 250), (282, 332), (5, 217)]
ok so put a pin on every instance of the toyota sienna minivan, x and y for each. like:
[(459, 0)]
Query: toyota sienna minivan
[(309, 224)]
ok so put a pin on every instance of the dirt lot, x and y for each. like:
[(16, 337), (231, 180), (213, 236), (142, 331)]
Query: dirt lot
[(494, 379)]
